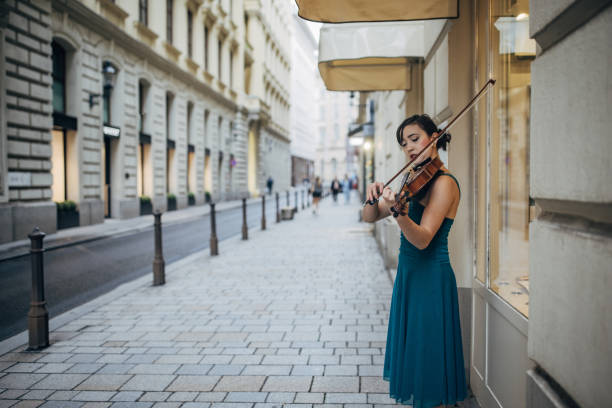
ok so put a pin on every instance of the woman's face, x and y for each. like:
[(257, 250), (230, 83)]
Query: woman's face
[(414, 139)]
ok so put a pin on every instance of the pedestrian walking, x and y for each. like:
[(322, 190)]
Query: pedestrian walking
[(269, 184), (317, 192), (424, 355), (346, 189), (335, 189)]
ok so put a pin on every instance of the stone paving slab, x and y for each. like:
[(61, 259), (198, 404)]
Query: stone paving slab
[(295, 317)]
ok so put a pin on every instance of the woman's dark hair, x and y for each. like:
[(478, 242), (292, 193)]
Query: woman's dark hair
[(428, 125)]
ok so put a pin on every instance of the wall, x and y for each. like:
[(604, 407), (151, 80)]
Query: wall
[(26, 120), (570, 242)]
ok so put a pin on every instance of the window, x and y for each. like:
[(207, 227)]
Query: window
[(206, 48), (336, 132), (143, 11), (322, 135), (231, 69), (321, 112), (509, 55), (189, 33), (141, 106), (219, 62), (109, 72), (169, 17), (59, 78)]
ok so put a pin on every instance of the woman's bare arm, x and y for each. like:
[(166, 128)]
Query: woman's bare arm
[(443, 194)]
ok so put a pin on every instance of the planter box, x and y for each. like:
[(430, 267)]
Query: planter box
[(287, 213), (146, 208), (191, 201), (172, 204), (67, 219)]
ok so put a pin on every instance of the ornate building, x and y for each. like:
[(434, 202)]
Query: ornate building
[(110, 104)]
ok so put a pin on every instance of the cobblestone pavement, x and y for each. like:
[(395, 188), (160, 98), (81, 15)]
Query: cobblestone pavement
[(296, 316)]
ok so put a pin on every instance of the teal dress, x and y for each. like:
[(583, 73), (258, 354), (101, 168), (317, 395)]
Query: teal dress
[(424, 354)]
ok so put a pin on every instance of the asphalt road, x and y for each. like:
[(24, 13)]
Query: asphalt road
[(79, 273)]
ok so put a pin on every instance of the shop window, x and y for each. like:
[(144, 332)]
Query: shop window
[(144, 166), (58, 165), (510, 53), (482, 131), (191, 173)]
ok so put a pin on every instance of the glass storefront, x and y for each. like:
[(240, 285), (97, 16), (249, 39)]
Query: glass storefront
[(503, 194)]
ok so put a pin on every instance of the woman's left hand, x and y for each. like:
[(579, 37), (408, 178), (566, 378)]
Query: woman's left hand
[(388, 198)]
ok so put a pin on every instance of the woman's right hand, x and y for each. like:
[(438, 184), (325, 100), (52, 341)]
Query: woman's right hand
[(374, 191)]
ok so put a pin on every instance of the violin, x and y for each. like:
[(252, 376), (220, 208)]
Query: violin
[(419, 175)]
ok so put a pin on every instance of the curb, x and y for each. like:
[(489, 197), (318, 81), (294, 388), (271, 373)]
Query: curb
[(117, 233), (18, 341)]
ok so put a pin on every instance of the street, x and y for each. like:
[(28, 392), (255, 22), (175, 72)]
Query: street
[(78, 273)]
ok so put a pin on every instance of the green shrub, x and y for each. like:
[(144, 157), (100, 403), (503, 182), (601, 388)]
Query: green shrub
[(171, 197), (191, 196), (145, 199), (207, 196), (66, 205)]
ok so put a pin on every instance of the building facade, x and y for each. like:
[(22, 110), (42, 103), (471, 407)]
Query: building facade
[(533, 309), (170, 102), (336, 112), (304, 85)]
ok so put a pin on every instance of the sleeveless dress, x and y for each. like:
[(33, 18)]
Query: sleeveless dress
[(424, 354)]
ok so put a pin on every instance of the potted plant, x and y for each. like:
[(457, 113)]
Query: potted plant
[(191, 198), (207, 196), (67, 214), (146, 207), (171, 202)]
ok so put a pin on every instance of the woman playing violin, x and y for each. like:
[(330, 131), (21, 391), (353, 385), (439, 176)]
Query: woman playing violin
[(424, 353)]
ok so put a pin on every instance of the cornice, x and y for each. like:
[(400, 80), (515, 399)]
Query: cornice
[(80, 12)]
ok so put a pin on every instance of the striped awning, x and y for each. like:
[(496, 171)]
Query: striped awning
[(369, 57), (345, 11)]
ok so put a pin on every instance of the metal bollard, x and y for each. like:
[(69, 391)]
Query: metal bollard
[(296, 201), (303, 199), (159, 268), (263, 212), (38, 317), (277, 212), (245, 229), (214, 248), (287, 198)]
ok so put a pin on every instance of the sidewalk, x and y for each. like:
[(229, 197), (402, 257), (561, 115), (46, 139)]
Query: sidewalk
[(111, 226), (295, 316)]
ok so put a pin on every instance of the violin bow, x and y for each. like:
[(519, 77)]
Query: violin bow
[(475, 99)]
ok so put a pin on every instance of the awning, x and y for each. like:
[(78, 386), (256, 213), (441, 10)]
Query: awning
[(345, 11), (369, 57)]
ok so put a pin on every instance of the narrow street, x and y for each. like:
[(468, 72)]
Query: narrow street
[(75, 274)]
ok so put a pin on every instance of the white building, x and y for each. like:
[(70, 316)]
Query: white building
[(304, 84), (335, 114)]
